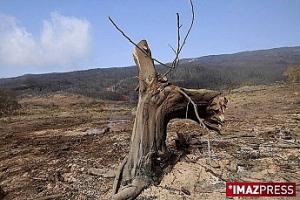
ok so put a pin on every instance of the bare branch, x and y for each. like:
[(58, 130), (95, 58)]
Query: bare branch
[(201, 121), (132, 42), (172, 48), (187, 109), (180, 47), (190, 28), (195, 108), (176, 59)]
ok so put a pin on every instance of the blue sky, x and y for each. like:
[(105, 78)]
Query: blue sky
[(39, 36)]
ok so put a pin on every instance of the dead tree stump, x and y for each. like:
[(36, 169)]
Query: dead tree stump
[(158, 103)]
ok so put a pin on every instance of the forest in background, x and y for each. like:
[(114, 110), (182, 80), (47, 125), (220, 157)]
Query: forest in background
[(219, 72)]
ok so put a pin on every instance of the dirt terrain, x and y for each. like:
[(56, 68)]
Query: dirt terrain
[(64, 146)]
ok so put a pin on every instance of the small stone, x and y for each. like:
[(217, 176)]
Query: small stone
[(26, 174), (241, 169), (233, 166), (82, 169), (69, 178)]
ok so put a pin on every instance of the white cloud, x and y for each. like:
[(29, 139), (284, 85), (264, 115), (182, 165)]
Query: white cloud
[(63, 40)]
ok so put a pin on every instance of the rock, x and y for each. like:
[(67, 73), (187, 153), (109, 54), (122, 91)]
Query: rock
[(69, 178), (26, 174), (74, 168), (96, 131), (241, 169), (49, 186), (233, 166)]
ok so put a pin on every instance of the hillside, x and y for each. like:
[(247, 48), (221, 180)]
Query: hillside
[(215, 72)]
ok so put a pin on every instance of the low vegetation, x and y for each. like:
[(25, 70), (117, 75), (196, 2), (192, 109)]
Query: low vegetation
[(8, 103), (293, 73)]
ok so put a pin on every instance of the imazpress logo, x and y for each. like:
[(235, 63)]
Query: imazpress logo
[(260, 189)]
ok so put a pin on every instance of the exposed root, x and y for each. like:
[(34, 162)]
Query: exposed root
[(131, 191), (118, 177)]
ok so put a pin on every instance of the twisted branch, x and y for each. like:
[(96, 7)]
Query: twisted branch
[(190, 100)]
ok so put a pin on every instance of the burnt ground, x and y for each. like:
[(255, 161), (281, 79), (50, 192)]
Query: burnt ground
[(65, 146)]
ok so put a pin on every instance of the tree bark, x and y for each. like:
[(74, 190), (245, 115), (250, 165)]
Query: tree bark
[(158, 103)]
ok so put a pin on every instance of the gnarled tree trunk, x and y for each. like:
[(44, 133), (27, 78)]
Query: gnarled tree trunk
[(158, 103)]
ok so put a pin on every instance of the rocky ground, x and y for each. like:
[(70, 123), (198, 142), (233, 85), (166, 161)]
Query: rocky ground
[(67, 147)]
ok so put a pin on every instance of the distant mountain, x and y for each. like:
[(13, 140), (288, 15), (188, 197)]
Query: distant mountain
[(215, 72)]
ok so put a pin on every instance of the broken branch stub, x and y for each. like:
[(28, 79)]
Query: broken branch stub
[(159, 102), (143, 59)]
